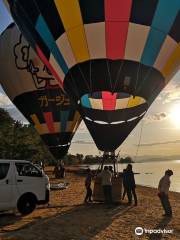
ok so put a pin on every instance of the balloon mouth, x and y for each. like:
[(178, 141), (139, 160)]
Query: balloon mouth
[(107, 101), (108, 108), (116, 122), (60, 145)]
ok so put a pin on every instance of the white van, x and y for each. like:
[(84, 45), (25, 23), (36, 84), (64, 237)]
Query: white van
[(22, 186)]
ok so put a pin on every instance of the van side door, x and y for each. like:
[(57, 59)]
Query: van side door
[(29, 179)]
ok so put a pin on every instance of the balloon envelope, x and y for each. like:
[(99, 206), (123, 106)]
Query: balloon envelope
[(112, 57), (36, 93)]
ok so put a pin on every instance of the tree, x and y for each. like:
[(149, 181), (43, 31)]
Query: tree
[(80, 158), (21, 141), (127, 159)]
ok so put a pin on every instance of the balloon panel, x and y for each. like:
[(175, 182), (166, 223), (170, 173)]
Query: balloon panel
[(130, 30)]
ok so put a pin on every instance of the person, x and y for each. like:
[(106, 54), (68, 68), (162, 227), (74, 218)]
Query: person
[(163, 188), (111, 169), (130, 185), (61, 169), (62, 172), (42, 165), (106, 177), (88, 186), (124, 184), (56, 171)]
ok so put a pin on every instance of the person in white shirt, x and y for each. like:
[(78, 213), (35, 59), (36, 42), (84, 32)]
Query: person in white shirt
[(106, 183), (163, 188)]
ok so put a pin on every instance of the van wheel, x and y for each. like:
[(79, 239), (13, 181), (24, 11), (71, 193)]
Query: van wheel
[(26, 204)]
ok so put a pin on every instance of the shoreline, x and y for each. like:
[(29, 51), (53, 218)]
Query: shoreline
[(68, 218), (148, 184), (139, 185)]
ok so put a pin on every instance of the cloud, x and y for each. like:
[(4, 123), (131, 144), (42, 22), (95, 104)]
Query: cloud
[(83, 142), (5, 102), (158, 143), (171, 92), (17, 115), (171, 96), (154, 117)]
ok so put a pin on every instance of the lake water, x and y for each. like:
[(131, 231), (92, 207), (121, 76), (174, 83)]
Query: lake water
[(151, 172)]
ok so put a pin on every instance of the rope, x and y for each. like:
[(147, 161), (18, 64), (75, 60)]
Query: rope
[(90, 74), (118, 74), (117, 160), (107, 63), (73, 86), (147, 75), (140, 136), (82, 74), (137, 78)]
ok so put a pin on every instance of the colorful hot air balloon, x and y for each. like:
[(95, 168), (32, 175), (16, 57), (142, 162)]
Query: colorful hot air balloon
[(36, 93), (112, 57)]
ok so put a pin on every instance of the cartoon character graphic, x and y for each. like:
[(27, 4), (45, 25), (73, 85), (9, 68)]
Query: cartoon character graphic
[(26, 59)]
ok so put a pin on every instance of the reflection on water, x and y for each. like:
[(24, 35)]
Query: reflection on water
[(151, 172)]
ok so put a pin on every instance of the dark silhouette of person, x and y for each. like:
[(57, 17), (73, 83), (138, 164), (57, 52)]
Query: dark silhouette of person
[(129, 183), (163, 187), (56, 171), (61, 169), (124, 184), (88, 186), (110, 169), (62, 172)]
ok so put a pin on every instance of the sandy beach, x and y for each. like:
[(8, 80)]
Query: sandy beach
[(67, 217)]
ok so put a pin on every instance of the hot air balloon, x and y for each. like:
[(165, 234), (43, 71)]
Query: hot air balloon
[(112, 57), (36, 93)]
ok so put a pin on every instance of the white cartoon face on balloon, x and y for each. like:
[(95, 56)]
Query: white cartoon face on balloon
[(26, 59)]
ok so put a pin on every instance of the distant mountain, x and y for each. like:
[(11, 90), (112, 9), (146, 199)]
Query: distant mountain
[(155, 158)]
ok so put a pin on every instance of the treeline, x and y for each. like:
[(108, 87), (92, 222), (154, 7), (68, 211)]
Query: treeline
[(90, 159), (21, 141)]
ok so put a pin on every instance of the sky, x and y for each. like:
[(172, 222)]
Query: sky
[(157, 135)]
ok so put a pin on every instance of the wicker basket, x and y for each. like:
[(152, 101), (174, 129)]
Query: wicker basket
[(116, 190)]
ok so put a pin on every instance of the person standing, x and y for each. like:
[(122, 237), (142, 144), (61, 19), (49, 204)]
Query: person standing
[(61, 169), (110, 169), (88, 186), (129, 182), (124, 184), (106, 182), (163, 188)]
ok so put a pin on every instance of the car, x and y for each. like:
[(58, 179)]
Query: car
[(23, 186)]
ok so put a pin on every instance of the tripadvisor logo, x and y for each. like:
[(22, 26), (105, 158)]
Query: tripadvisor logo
[(139, 231)]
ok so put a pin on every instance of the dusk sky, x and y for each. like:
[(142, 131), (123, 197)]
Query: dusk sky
[(158, 133)]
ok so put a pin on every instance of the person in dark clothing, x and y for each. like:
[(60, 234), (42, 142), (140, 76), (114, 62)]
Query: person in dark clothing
[(62, 172), (110, 169), (61, 169), (88, 186), (130, 185), (124, 184)]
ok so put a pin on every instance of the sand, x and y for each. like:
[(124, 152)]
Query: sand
[(67, 217)]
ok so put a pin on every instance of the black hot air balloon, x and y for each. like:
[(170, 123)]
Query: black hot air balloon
[(36, 93)]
